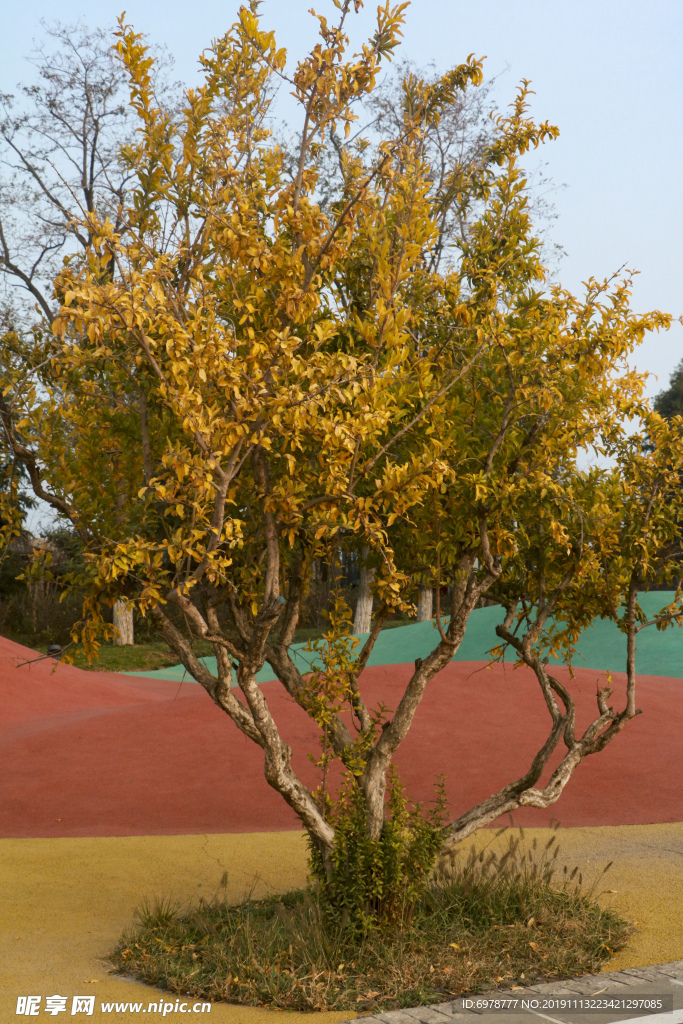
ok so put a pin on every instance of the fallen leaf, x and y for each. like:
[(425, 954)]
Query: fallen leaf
[(454, 945), (534, 945)]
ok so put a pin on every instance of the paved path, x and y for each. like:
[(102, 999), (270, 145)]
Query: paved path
[(636, 989)]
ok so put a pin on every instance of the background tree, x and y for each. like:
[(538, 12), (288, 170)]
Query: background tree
[(242, 384), (60, 156), (15, 501), (669, 402), (60, 142)]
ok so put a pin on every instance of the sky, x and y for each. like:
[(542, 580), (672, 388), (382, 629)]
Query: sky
[(608, 73)]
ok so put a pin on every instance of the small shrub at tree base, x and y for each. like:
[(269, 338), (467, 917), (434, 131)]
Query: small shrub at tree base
[(369, 883), (491, 922)]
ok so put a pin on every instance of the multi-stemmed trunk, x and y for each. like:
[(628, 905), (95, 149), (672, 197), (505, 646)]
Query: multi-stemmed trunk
[(253, 714)]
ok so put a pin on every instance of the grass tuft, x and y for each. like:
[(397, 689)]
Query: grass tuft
[(144, 657), (488, 920)]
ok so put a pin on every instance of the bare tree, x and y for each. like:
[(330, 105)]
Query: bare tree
[(61, 170), (60, 162)]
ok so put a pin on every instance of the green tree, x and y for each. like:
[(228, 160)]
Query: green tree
[(241, 383), (669, 402)]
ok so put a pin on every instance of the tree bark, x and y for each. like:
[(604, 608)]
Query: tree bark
[(362, 620), (123, 620), (424, 604), (146, 447)]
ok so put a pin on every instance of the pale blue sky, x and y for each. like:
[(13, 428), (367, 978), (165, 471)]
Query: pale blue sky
[(608, 72)]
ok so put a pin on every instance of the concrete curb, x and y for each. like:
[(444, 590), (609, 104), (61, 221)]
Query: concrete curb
[(630, 985)]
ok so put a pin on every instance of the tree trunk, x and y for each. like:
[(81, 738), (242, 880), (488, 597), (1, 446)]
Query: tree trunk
[(424, 604), (144, 430), (362, 620), (123, 620)]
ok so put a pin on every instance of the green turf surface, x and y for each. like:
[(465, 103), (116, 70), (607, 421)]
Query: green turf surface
[(602, 646)]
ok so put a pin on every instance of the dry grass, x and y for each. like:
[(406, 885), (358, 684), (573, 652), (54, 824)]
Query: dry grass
[(486, 921)]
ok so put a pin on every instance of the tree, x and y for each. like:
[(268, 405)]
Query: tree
[(241, 383), (59, 145), (362, 620), (424, 605), (15, 502), (669, 402)]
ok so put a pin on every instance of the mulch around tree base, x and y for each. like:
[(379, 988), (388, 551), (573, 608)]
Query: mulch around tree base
[(97, 754)]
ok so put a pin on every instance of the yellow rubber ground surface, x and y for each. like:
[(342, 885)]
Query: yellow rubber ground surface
[(65, 902), (647, 874)]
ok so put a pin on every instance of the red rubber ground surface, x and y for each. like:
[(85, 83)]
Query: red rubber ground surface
[(95, 754)]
